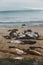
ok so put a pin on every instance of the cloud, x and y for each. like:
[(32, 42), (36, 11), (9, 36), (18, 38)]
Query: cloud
[(19, 4)]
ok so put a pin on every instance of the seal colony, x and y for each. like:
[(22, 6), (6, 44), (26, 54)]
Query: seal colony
[(27, 34), (20, 43)]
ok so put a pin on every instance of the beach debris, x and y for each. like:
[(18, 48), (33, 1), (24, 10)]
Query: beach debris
[(19, 58), (19, 51)]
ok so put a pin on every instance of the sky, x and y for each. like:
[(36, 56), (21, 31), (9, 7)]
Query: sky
[(20, 4)]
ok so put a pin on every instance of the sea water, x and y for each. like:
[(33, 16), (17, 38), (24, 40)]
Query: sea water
[(19, 17)]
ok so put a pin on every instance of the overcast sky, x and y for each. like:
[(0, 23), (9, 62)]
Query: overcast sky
[(20, 4)]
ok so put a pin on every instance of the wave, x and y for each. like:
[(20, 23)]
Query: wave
[(25, 10), (22, 22)]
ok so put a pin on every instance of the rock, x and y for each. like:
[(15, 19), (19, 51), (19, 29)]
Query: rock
[(23, 24)]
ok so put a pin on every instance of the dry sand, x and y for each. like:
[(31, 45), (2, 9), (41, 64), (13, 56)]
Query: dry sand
[(4, 43)]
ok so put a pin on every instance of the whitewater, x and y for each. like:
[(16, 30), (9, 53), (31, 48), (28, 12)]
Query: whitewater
[(13, 17)]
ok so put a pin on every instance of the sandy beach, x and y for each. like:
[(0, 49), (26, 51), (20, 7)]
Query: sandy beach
[(5, 43)]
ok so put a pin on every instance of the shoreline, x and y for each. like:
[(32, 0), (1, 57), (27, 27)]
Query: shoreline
[(15, 26)]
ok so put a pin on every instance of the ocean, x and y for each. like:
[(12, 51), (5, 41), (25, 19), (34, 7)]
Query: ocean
[(19, 17)]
